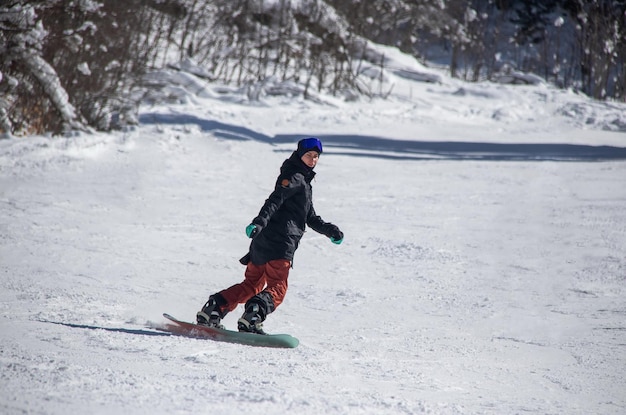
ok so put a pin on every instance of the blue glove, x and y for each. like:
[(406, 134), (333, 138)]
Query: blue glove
[(252, 230), (336, 241)]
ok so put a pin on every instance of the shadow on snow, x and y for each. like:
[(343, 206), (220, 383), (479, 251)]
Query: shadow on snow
[(379, 147), (112, 329)]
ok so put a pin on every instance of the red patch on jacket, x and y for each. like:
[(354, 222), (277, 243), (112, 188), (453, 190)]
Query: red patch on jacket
[(285, 183)]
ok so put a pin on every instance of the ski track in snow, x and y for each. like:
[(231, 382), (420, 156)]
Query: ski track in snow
[(464, 286)]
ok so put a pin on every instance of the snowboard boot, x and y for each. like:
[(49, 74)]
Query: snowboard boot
[(211, 314), (252, 320)]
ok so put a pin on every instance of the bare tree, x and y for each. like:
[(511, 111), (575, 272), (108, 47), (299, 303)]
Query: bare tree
[(32, 88), (601, 33), (74, 64)]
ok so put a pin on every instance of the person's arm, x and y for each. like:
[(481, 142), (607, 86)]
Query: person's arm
[(325, 228), (285, 188)]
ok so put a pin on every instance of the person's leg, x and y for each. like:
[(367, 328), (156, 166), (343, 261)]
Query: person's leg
[(253, 283), (221, 303), (276, 278), (265, 302)]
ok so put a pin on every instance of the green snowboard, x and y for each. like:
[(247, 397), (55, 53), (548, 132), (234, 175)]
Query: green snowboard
[(183, 328)]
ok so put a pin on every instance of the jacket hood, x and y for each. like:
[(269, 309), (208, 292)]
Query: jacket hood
[(295, 164)]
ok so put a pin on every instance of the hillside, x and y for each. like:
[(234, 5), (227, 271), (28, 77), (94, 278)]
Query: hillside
[(482, 270)]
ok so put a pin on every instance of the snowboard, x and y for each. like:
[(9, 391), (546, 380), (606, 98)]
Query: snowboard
[(183, 328)]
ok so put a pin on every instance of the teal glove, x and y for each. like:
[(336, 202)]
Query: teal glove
[(336, 236), (252, 230)]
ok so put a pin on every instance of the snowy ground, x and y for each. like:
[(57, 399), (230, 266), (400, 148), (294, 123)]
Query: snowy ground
[(483, 269)]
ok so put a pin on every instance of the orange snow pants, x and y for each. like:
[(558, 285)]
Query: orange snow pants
[(270, 277)]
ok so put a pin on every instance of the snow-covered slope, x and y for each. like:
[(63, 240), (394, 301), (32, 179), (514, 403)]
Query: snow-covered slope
[(483, 269)]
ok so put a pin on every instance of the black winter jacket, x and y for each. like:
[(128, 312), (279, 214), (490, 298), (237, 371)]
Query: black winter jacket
[(282, 219)]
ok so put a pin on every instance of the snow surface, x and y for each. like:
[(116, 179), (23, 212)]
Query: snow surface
[(483, 269)]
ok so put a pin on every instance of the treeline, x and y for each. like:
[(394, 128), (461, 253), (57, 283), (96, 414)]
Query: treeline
[(80, 64), (571, 43)]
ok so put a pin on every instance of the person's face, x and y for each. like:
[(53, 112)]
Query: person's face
[(310, 158)]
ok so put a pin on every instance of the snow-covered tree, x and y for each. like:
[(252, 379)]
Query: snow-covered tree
[(23, 38), (72, 64)]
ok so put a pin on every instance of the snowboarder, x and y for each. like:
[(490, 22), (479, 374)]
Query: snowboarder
[(275, 234)]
